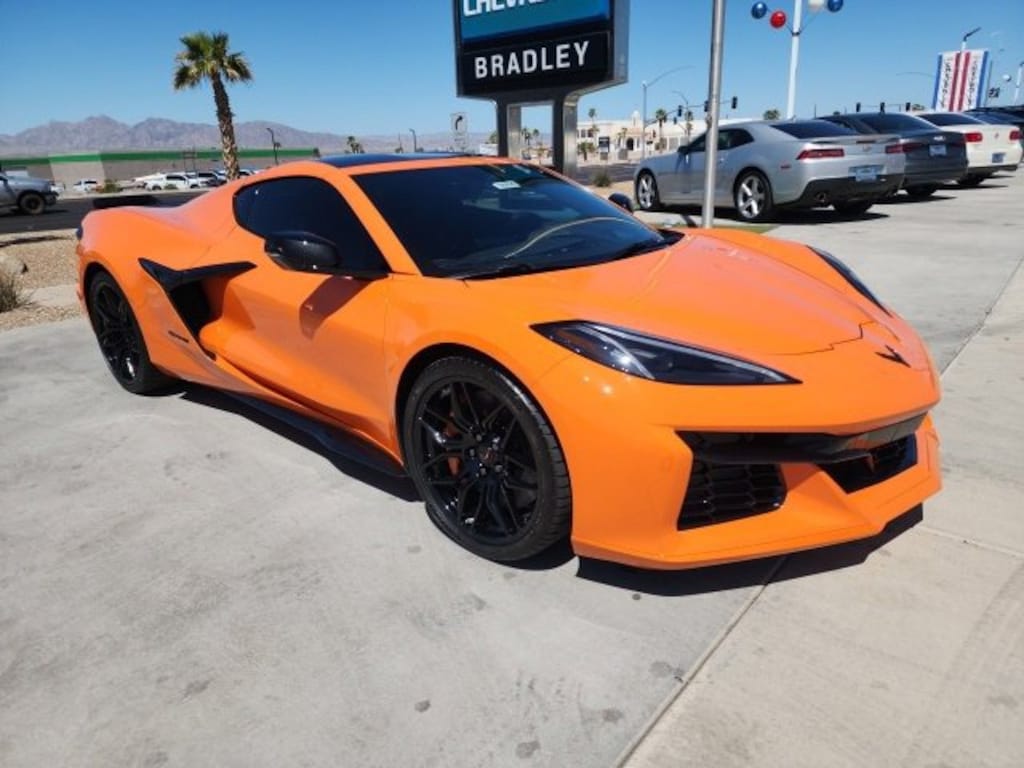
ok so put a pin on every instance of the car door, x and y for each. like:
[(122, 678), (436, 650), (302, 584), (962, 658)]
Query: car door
[(311, 338), (690, 173), (732, 159), (7, 196)]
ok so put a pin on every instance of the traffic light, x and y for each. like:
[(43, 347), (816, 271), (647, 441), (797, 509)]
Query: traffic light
[(679, 111), (857, 108), (906, 107), (735, 102), (706, 110), (881, 107)]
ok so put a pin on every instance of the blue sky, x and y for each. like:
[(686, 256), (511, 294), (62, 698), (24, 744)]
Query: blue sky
[(380, 67)]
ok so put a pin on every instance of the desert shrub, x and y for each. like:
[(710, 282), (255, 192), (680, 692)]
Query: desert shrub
[(109, 186), (11, 295), (602, 179)]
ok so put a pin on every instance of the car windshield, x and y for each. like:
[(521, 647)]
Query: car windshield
[(894, 123), (490, 220), (950, 118), (813, 129)]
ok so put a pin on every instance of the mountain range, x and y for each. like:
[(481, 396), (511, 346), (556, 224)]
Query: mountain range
[(104, 133)]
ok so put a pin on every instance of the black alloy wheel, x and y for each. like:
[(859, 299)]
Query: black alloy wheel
[(972, 180), (921, 191), (120, 338), (485, 460)]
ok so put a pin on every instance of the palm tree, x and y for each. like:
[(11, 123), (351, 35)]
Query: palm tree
[(592, 114), (206, 57), (354, 146), (661, 116)]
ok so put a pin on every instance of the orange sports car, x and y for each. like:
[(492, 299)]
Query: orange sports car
[(537, 360)]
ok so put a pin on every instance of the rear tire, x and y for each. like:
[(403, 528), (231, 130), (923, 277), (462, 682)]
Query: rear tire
[(752, 197), (120, 338), (485, 460), (647, 192), (971, 180), (857, 208), (32, 203), (921, 191)]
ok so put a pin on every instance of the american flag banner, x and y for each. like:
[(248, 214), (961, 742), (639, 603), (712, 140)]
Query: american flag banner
[(960, 80)]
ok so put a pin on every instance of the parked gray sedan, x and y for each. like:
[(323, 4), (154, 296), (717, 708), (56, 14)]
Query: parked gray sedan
[(764, 166)]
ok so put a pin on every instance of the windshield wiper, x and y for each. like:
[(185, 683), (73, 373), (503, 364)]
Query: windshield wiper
[(643, 247), (502, 270)]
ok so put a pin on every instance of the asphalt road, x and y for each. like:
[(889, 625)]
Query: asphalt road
[(183, 583), (67, 213)]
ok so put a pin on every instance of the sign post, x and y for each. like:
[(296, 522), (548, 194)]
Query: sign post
[(539, 52)]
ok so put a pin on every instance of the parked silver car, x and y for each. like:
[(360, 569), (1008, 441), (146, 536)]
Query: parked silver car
[(764, 166), (26, 193)]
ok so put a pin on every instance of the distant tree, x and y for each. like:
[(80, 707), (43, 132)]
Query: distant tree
[(592, 114), (772, 114), (206, 58), (661, 116), (585, 148), (492, 137), (354, 147)]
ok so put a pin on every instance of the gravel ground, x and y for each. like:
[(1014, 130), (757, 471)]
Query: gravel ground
[(51, 260)]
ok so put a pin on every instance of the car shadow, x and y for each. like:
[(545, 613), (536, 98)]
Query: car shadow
[(677, 583), (750, 573), (904, 199), (363, 463)]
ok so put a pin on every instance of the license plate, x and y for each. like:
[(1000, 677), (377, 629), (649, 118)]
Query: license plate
[(999, 157), (865, 172), (937, 150)]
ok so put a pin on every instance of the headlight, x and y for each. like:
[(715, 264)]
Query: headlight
[(656, 359), (851, 277)]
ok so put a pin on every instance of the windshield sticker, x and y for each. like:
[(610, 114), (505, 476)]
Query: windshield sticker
[(506, 184)]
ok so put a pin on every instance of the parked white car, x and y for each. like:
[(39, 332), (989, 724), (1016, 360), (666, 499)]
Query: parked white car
[(990, 148), (173, 181), (85, 185)]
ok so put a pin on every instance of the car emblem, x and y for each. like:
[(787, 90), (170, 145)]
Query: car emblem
[(940, 138), (893, 355)]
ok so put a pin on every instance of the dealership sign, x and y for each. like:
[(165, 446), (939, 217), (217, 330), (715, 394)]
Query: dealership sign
[(960, 80), (515, 46)]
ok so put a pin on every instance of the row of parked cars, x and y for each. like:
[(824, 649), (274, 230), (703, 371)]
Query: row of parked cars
[(181, 180), (846, 161)]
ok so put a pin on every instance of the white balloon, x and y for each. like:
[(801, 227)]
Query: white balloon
[(815, 5)]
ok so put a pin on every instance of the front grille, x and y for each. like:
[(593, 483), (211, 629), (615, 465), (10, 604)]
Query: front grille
[(718, 493), (880, 464)]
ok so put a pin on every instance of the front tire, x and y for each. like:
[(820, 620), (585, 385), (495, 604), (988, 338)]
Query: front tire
[(32, 203), (485, 460), (120, 338), (647, 192), (752, 197), (972, 180)]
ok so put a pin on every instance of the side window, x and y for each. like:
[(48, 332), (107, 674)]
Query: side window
[(738, 137), (307, 204), (697, 145)]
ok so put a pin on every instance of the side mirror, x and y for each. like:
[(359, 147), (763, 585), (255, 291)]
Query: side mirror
[(302, 252), (306, 252), (623, 201)]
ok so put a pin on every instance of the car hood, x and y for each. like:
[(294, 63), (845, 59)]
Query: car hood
[(701, 291)]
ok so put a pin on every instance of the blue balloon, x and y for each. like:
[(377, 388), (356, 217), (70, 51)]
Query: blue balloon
[(835, 5), (758, 10)]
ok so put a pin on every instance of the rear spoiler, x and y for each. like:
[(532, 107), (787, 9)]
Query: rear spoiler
[(99, 203)]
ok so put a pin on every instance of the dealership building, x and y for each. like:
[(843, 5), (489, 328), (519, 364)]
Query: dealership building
[(123, 166)]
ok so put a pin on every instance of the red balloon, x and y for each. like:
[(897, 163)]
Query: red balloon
[(778, 19)]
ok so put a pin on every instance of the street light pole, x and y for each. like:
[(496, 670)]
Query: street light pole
[(794, 56), (643, 118), (963, 42), (273, 143), (1016, 88), (415, 146)]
